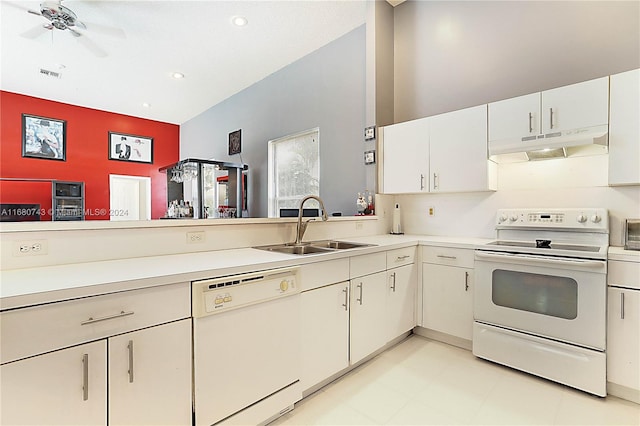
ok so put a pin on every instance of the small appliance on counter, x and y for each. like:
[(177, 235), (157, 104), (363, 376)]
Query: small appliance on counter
[(396, 225), (632, 234)]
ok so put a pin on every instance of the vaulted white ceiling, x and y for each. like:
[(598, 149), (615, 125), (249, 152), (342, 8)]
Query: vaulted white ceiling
[(145, 42)]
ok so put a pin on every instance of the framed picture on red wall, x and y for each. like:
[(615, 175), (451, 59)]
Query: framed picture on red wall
[(124, 147), (44, 137)]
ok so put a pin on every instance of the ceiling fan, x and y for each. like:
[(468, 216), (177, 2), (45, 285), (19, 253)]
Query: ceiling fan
[(62, 18)]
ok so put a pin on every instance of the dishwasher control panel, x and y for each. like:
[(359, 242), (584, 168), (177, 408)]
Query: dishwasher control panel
[(216, 295)]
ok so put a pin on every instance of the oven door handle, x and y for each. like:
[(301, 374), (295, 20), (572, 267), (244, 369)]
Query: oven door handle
[(539, 260)]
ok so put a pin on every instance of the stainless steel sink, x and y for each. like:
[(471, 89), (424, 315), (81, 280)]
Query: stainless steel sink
[(337, 245), (313, 247)]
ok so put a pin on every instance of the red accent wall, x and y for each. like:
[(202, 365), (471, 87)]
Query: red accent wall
[(87, 154)]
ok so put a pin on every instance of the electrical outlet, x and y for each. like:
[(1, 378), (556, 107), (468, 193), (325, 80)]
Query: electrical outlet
[(30, 248), (432, 211), (195, 237)]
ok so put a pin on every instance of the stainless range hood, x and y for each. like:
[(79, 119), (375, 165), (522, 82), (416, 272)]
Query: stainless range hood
[(568, 143)]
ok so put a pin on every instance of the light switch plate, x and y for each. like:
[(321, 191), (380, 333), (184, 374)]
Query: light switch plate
[(369, 133)]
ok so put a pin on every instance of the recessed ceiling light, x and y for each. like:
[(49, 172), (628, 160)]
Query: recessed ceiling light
[(239, 21), (146, 104), (177, 75)]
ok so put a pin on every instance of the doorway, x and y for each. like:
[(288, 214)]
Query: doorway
[(129, 197)]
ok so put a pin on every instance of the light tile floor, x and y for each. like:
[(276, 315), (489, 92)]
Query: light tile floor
[(424, 382)]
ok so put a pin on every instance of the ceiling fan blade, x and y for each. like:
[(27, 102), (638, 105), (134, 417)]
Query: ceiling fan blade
[(80, 25), (36, 31), (91, 46), (74, 32), (33, 12)]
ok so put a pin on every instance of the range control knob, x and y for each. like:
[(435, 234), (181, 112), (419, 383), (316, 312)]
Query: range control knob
[(284, 285), (581, 218), (513, 218), (503, 218), (596, 218)]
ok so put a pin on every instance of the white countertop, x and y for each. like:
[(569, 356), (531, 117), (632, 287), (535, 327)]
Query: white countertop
[(619, 253), (26, 287)]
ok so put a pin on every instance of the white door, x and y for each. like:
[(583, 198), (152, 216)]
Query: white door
[(513, 119), (624, 131), (405, 157), (401, 299), (368, 323), (325, 333), (65, 387), (130, 197), (623, 338), (150, 376)]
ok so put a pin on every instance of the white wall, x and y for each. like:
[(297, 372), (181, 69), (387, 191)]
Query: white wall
[(571, 182), (451, 55)]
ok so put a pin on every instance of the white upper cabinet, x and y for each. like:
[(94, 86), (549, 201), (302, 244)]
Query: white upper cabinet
[(546, 115), (442, 153), (576, 106), (458, 152), (405, 153), (515, 118), (624, 129)]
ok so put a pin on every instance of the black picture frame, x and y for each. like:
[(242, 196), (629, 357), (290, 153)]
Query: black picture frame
[(44, 138), (131, 148), (235, 142)]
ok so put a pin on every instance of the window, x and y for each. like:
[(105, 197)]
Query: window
[(294, 170)]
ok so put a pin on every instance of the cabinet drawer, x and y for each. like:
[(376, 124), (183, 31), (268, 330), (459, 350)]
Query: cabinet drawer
[(320, 274), (367, 264), (401, 257), (39, 329), (448, 256), (623, 274)]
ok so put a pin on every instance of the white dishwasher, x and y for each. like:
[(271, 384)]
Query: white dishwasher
[(246, 347)]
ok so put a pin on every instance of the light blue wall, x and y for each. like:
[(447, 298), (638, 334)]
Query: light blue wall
[(325, 89)]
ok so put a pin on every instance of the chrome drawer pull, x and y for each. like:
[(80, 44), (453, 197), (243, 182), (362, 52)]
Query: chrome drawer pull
[(442, 256), (346, 298), (109, 317), (406, 256), (130, 347), (85, 377)]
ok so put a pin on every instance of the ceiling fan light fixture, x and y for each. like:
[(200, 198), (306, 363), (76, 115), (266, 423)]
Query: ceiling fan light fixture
[(239, 21)]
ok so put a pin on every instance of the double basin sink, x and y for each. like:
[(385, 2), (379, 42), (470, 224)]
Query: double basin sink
[(313, 247)]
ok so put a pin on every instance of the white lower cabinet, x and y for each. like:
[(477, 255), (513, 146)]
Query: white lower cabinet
[(401, 292), (447, 282), (325, 333), (65, 387), (367, 323), (623, 330), (150, 376)]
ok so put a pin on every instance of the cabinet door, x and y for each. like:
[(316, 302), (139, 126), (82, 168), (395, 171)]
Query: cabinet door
[(576, 106), (401, 300), (325, 333), (514, 119), (150, 376), (65, 387), (367, 316), (623, 337), (447, 301), (458, 151), (624, 129), (405, 157)]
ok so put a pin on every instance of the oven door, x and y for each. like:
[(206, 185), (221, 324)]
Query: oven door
[(555, 297)]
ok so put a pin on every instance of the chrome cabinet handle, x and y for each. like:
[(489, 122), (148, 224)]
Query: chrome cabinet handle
[(393, 287), (466, 281), (621, 305), (130, 348), (346, 298), (360, 299), (421, 182), (551, 117), (442, 256), (399, 258), (435, 183), (530, 123), (92, 320), (85, 377)]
